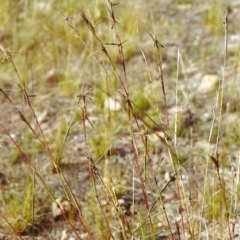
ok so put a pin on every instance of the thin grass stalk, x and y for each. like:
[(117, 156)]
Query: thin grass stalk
[(219, 104), (121, 218), (158, 46), (183, 194), (79, 215), (133, 195), (81, 219), (145, 155), (93, 171), (57, 167), (66, 134), (119, 44), (8, 56), (146, 177), (206, 177), (11, 226), (237, 183), (28, 162), (136, 157), (224, 212), (112, 196), (84, 224), (175, 140), (126, 94), (143, 185), (33, 201), (130, 109), (102, 49), (176, 96), (22, 117), (161, 204), (225, 23), (141, 225), (233, 183), (151, 81), (153, 91), (222, 81), (82, 100), (85, 118)]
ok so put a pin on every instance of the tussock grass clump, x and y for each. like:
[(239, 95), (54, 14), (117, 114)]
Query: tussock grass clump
[(104, 110)]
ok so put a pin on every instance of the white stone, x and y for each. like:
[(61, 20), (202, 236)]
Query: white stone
[(59, 207), (112, 104), (208, 83)]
